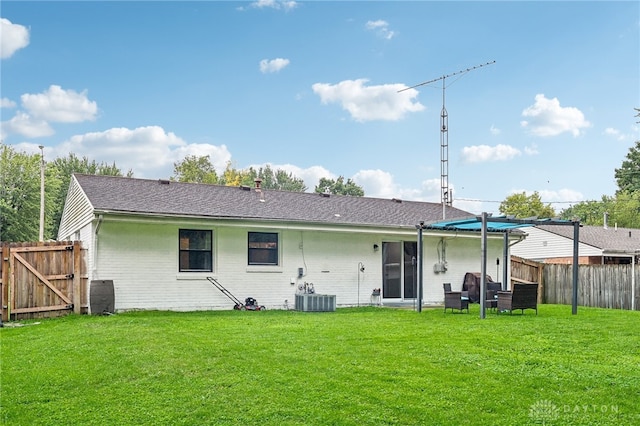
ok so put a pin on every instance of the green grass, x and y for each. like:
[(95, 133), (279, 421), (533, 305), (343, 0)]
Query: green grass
[(366, 366)]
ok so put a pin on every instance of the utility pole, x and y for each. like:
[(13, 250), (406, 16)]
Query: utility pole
[(41, 192), (446, 196)]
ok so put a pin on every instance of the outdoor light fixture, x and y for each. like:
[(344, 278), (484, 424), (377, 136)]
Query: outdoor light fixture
[(376, 247)]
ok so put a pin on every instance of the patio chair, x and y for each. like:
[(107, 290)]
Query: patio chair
[(492, 294), (447, 287), (522, 296), (455, 299)]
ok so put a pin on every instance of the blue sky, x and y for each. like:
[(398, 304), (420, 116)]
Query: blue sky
[(313, 88)]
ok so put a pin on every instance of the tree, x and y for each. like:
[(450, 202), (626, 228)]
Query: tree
[(625, 212), (522, 206), (200, 169), (278, 179), (339, 187), (19, 195), (236, 177), (589, 212), (20, 191), (197, 169), (628, 175)]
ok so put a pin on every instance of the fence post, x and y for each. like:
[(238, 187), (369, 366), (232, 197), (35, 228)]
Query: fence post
[(77, 277), (4, 288)]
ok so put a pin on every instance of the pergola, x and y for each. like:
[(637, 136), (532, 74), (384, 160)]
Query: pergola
[(486, 223)]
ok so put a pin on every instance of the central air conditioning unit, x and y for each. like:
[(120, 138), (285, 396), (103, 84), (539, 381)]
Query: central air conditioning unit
[(315, 302)]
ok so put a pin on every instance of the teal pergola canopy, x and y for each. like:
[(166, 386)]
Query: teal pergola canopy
[(495, 224), (488, 223)]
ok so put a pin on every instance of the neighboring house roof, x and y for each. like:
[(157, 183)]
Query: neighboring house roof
[(161, 197), (611, 240)]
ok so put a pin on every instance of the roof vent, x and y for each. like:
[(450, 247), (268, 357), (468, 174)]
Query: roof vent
[(245, 187), (396, 200), (164, 181), (325, 194)]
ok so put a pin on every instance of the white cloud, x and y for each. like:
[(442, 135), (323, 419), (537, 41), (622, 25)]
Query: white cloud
[(273, 65), (484, 153), (548, 118), (368, 103), (14, 37), (7, 103), (148, 151), (617, 134), (377, 183), (560, 195), (274, 4), (531, 150), (26, 125), (494, 130), (59, 105), (380, 184), (381, 28)]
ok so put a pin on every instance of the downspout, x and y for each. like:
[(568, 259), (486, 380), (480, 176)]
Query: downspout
[(94, 260)]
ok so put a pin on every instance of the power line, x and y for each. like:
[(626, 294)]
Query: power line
[(544, 202)]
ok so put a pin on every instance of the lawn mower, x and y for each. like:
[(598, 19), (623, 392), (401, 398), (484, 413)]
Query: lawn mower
[(250, 304)]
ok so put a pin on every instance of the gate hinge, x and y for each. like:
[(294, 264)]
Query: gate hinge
[(69, 276), (68, 248)]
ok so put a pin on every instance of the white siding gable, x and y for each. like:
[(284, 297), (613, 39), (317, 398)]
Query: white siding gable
[(77, 213), (541, 244)]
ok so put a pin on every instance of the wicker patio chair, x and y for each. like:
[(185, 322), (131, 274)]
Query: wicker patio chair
[(522, 296), (455, 299)]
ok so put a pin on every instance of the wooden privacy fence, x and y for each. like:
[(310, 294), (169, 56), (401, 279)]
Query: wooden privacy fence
[(45, 279), (528, 271), (602, 286)]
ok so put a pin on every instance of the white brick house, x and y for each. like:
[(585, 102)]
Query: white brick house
[(159, 240)]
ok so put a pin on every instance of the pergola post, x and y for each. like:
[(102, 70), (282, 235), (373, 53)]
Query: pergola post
[(576, 241), (420, 268), (483, 266), (505, 260)]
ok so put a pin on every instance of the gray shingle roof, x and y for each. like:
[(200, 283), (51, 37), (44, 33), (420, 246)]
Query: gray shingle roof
[(608, 239), (143, 196)]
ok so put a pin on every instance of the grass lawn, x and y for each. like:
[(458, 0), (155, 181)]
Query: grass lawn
[(360, 366)]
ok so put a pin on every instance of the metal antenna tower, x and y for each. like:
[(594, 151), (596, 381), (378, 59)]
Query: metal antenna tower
[(446, 198)]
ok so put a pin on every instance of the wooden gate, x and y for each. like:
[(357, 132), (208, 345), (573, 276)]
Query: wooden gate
[(41, 280)]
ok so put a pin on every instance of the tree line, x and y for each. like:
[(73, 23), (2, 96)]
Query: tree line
[(20, 186)]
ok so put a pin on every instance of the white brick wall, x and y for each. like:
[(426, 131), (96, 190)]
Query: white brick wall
[(142, 260)]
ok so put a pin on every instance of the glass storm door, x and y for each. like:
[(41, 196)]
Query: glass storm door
[(398, 270)]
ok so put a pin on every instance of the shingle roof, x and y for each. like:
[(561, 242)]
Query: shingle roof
[(608, 239), (144, 196)]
